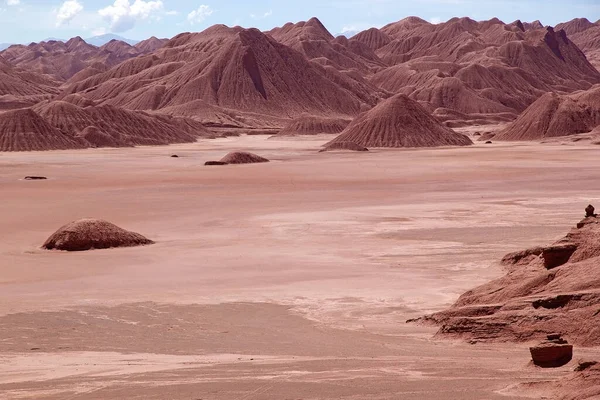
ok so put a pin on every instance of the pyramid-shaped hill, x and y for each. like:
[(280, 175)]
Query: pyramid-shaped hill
[(24, 130), (373, 38), (233, 68), (554, 115), (586, 35), (315, 42), (400, 122), (151, 44)]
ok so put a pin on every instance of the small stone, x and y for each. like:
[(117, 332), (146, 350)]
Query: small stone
[(489, 142), (589, 211), (582, 365), (35, 178), (554, 336), (174, 156)]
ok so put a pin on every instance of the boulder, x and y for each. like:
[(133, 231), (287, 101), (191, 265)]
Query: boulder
[(589, 211), (552, 353), (89, 234), (583, 365)]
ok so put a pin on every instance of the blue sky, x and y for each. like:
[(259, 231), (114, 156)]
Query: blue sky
[(23, 21)]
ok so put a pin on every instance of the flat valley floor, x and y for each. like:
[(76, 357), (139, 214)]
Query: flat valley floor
[(286, 280)]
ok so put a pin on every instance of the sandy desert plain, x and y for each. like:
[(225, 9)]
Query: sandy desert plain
[(291, 279), (335, 274)]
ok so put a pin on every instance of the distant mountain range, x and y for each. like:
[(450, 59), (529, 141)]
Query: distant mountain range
[(103, 39), (95, 40)]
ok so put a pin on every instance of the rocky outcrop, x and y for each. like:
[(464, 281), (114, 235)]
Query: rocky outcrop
[(545, 289), (557, 255), (552, 353), (589, 211)]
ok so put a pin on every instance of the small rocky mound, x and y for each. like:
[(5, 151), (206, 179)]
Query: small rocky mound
[(546, 289), (552, 353), (89, 234), (241, 157), (343, 146), (35, 178)]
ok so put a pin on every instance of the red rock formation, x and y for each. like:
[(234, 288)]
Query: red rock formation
[(90, 234), (24, 130), (62, 61), (399, 122), (531, 301), (554, 115)]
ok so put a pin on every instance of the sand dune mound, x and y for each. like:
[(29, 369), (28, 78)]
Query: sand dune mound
[(242, 157), (89, 234), (24, 130), (313, 125), (554, 115), (343, 146), (399, 122), (551, 289)]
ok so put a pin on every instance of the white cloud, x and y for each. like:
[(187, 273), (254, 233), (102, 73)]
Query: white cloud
[(122, 15), (172, 12), (261, 16), (13, 2), (435, 20), (67, 11), (198, 16)]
